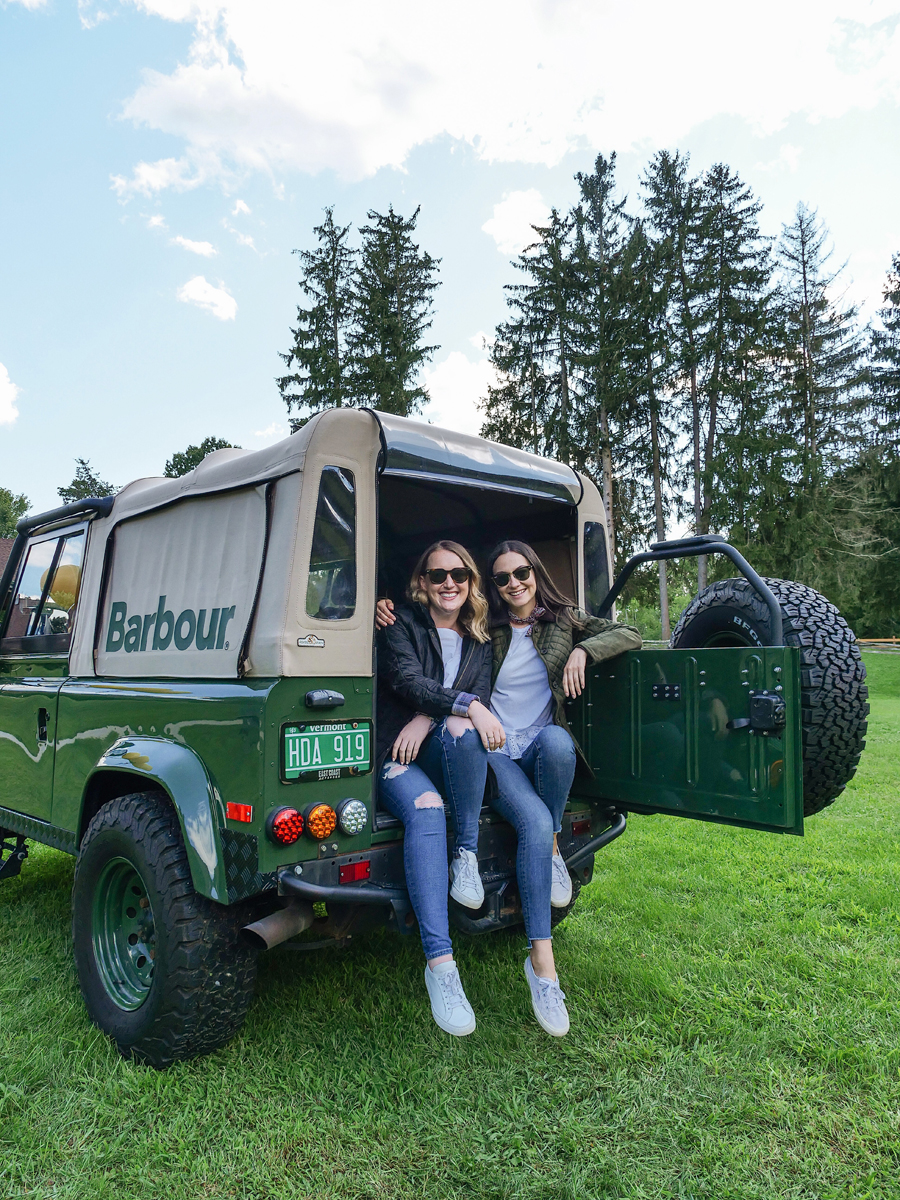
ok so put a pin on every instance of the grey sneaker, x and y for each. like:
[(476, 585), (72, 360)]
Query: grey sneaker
[(449, 1006), (548, 1002), (560, 883), (466, 887)]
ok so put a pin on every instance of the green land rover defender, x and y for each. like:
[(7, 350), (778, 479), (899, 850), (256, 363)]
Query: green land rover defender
[(187, 705)]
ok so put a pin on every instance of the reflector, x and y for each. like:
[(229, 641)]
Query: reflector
[(353, 872), (238, 812), (580, 828)]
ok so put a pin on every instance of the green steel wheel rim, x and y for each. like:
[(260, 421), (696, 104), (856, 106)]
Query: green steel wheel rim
[(123, 934)]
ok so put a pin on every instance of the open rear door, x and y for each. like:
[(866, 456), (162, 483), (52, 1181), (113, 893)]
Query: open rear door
[(706, 733)]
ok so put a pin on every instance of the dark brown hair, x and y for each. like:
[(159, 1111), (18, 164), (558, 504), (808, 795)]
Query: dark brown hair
[(548, 595)]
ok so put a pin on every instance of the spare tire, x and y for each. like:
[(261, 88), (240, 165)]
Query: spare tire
[(834, 696)]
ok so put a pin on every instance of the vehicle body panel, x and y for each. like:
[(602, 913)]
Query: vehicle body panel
[(676, 754)]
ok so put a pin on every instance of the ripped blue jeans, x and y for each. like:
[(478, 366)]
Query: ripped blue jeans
[(447, 767)]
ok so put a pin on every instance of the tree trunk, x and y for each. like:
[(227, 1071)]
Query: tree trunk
[(658, 504), (698, 498), (607, 472)]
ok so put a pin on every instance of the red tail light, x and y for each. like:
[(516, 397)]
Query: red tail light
[(284, 826), (354, 872), (580, 828)]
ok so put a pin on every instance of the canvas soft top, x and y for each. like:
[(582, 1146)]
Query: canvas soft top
[(233, 537)]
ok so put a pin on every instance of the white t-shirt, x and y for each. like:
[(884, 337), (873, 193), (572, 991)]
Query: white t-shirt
[(451, 652), (521, 699)]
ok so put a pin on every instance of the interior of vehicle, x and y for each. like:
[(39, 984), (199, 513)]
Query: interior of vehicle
[(414, 513)]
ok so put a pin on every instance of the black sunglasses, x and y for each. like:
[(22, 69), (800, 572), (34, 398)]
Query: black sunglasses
[(458, 574), (502, 577)]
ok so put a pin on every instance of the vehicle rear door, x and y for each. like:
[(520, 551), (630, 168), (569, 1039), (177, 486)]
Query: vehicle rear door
[(34, 651), (706, 733)]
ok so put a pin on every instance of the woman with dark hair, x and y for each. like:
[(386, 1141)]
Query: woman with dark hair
[(434, 733), (541, 646)]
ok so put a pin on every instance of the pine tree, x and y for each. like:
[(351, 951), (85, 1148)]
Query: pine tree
[(884, 357), (599, 238), (822, 354), (534, 354), (392, 304), (716, 272), (86, 484), (318, 360), (185, 460)]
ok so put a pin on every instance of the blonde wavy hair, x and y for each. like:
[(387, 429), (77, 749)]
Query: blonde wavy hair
[(474, 613)]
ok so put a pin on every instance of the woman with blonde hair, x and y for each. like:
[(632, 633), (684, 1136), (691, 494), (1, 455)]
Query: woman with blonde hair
[(435, 729)]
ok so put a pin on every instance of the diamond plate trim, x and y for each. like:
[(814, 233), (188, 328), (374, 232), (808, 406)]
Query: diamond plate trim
[(38, 831), (243, 878)]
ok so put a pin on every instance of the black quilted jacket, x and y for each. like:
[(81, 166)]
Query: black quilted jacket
[(411, 675)]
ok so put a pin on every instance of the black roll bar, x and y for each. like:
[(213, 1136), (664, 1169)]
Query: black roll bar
[(694, 547), (98, 505)]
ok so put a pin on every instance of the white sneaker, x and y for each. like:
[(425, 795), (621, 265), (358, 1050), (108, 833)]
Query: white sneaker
[(560, 883), (449, 1006), (466, 887), (548, 1002)]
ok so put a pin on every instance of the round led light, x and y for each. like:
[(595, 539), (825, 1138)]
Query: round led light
[(320, 820), (284, 825), (353, 816)]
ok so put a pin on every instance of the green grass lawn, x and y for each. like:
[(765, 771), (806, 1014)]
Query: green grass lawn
[(735, 1034)]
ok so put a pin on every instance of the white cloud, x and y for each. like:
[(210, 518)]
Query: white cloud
[(788, 158), (8, 394), (511, 224), (455, 387), (31, 4), (207, 249), (157, 221), (217, 300), (272, 433), (148, 178), (520, 80), (240, 207)]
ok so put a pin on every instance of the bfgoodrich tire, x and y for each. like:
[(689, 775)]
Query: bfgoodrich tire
[(160, 968), (832, 676)]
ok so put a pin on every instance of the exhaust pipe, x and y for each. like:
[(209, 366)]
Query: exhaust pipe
[(278, 926)]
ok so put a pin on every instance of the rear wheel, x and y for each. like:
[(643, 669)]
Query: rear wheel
[(834, 695), (161, 969)]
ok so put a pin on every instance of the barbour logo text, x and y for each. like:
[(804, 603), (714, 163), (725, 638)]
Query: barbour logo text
[(188, 629)]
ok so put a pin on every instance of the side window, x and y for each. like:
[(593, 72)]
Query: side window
[(331, 592), (596, 568), (47, 594)]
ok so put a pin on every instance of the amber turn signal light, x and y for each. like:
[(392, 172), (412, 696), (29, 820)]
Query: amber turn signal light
[(284, 826), (320, 819)]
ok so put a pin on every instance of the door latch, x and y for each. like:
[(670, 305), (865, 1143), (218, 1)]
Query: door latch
[(324, 698), (43, 721), (767, 714)]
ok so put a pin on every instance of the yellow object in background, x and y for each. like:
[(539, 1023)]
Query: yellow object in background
[(66, 583)]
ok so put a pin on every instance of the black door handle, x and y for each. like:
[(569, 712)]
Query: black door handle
[(324, 698), (43, 720)]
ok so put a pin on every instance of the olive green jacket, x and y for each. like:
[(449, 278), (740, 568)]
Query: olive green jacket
[(598, 638)]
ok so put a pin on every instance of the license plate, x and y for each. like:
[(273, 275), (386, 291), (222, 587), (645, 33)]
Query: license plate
[(327, 751)]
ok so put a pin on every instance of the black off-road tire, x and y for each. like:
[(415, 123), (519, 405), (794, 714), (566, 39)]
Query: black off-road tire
[(202, 976), (558, 915), (834, 696)]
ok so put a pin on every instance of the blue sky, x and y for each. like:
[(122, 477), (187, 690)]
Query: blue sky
[(160, 160)]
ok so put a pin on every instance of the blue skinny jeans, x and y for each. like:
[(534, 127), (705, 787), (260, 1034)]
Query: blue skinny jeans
[(531, 794), (454, 768)]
